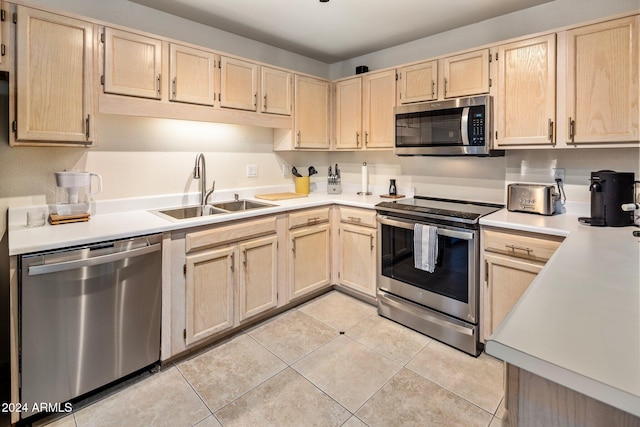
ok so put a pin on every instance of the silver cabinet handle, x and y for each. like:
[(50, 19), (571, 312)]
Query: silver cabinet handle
[(550, 130), (293, 246), (445, 87), (244, 258), (355, 219), (265, 101), (87, 124), (298, 139), (519, 248), (572, 130), (366, 139), (158, 85), (357, 139), (371, 236), (255, 100), (313, 220), (173, 87), (233, 261), (433, 89)]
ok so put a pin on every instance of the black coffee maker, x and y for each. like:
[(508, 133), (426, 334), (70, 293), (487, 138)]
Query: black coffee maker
[(609, 191)]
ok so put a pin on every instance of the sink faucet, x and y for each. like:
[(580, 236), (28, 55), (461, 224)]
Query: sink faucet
[(200, 172)]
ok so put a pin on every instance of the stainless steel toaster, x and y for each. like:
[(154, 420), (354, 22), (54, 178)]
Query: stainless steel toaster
[(533, 198)]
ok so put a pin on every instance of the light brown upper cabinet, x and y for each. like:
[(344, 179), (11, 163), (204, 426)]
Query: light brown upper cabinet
[(239, 84), (192, 73), (277, 90), (364, 111), (417, 83), (526, 101), (602, 82), (132, 64), (466, 74), (311, 118), (54, 78), (348, 113)]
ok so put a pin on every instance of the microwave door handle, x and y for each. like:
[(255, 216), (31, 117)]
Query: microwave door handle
[(464, 126)]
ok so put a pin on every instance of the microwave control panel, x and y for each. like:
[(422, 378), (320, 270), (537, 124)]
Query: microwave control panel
[(476, 125)]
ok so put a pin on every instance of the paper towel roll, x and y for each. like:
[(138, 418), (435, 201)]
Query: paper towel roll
[(365, 178)]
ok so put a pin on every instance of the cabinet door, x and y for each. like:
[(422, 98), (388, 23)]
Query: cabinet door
[(526, 102), (507, 279), (357, 268), (311, 119), (192, 75), (377, 117), (602, 82), (349, 113), (209, 292), (239, 84), (132, 64), (277, 88), (54, 75), (258, 284), (310, 267), (418, 82), (466, 74)]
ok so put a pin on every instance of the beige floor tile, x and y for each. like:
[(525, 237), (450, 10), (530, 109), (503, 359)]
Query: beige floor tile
[(287, 399), (338, 310), (411, 400), (67, 421), (497, 422), (210, 421), (347, 371), (479, 380), (293, 335), (163, 399), (502, 411), (389, 338), (226, 372), (354, 422)]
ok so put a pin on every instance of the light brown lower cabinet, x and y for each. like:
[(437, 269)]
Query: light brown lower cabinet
[(512, 260), (535, 401), (357, 242), (309, 251), (225, 286)]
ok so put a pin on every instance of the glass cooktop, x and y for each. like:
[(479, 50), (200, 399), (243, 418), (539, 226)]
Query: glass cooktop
[(445, 209)]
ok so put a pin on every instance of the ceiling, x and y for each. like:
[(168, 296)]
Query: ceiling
[(338, 29)]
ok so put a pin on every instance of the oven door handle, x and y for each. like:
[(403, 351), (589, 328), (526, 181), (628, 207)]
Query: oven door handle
[(409, 225)]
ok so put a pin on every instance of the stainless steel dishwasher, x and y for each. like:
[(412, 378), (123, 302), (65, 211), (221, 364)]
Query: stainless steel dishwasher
[(88, 316)]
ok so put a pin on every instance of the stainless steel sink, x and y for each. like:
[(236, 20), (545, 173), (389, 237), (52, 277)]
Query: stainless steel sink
[(192, 212), (240, 205)]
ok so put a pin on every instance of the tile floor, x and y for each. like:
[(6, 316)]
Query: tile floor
[(330, 362)]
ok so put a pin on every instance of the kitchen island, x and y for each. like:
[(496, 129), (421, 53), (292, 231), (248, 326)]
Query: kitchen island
[(576, 326)]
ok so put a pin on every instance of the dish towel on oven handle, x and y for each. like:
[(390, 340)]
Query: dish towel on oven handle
[(425, 247)]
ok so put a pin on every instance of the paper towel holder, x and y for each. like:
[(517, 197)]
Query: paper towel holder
[(365, 183)]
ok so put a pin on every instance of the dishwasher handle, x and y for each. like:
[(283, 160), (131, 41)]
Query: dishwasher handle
[(36, 270)]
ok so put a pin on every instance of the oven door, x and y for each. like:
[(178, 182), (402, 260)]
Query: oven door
[(451, 289)]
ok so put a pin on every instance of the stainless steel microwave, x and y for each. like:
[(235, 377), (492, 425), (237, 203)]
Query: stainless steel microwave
[(455, 127)]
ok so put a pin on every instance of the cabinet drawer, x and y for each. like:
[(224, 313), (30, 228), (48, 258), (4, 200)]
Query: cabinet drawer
[(229, 233), (363, 217), (533, 246), (308, 217)]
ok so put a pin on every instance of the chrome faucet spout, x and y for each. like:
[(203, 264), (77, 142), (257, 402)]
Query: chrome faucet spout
[(200, 172)]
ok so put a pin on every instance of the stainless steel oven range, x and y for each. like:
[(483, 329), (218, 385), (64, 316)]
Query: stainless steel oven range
[(444, 303)]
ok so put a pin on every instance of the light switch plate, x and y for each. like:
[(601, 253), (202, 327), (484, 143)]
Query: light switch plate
[(252, 171)]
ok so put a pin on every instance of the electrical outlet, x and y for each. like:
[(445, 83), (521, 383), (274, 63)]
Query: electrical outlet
[(285, 171), (558, 173), (252, 171)]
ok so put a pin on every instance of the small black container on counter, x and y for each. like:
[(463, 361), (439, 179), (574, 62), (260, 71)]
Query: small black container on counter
[(392, 187)]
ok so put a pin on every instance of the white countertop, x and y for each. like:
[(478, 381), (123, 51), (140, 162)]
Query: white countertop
[(116, 219), (578, 324)]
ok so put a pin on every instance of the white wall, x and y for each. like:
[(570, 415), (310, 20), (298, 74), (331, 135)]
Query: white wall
[(544, 17)]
